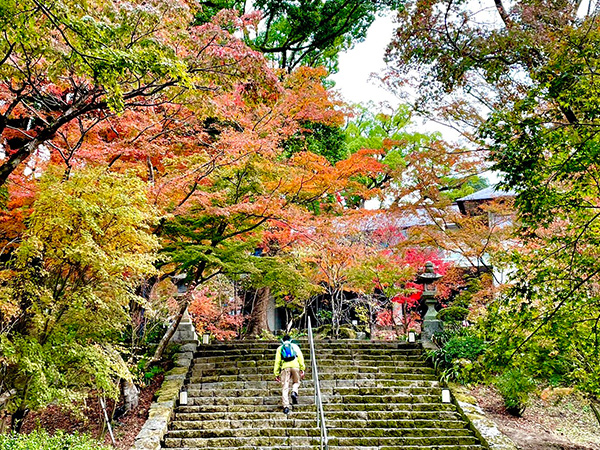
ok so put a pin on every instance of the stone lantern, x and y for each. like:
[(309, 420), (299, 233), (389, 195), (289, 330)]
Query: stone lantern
[(186, 330), (431, 324)]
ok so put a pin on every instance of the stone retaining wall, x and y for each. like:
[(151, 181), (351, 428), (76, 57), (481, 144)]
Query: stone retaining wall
[(161, 410), (486, 429)]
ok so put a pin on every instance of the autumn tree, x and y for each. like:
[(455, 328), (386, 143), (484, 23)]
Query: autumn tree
[(523, 81), (68, 67), (236, 186), (65, 293), (330, 255), (422, 177), (216, 308), (305, 33)]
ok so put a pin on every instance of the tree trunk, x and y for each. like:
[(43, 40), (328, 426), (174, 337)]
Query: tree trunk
[(372, 322), (162, 345), (18, 418), (337, 304), (258, 321)]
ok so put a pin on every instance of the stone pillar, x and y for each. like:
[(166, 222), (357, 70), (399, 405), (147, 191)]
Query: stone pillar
[(185, 331), (431, 324)]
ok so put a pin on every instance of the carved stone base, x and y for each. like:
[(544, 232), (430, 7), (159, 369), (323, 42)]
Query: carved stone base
[(430, 327)]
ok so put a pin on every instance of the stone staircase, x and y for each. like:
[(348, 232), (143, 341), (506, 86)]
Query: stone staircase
[(376, 395)]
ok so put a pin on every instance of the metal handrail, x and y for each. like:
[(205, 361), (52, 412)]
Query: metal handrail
[(318, 399)]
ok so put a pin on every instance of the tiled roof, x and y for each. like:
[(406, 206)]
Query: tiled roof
[(487, 194), (420, 217)]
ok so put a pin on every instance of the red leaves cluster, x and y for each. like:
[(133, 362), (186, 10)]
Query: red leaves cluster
[(213, 314)]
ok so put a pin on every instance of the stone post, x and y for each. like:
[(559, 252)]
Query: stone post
[(185, 331), (431, 324)]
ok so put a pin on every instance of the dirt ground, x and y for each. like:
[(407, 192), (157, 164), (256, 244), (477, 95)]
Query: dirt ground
[(555, 420), (125, 429)]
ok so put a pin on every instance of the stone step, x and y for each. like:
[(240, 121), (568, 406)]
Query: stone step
[(236, 442), (430, 442), (300, 440), (243, 361), (195, 413), (330, 409), (275, 389), (342, 353), (436, 405), (322, 376), (285, 430), (269, 361), (238, 401), (333, 370), (293, 421), (278, 432), (400, 398), (338, 447), (326, 384)]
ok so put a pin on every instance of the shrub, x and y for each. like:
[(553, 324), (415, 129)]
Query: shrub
[(41, 440), (467, 347), (453, 314), (457, 359), (347, 333), (515, 387)]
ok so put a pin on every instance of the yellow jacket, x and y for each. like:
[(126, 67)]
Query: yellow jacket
[(280, 364)]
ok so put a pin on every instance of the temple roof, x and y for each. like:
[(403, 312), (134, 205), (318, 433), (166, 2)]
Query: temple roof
[(488, 193)]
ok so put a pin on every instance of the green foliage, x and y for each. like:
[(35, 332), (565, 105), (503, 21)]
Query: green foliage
[(40, 440), (284, 276), (152, 372), (466, 346), (324, 140), (453, 314), (536, 75), (459, 358), (324, 315), (87, 245), (561, 352), (98, 44), (549, 153), (463, 299), (305, 32), (373, 128), (515, 386)]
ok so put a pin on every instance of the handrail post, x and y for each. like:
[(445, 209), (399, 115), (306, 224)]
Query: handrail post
[(317, 386)]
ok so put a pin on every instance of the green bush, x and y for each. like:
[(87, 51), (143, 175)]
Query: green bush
[(515, 387), (457, 359), (453, 314), (40, 440), (347, 333), (467, 347)]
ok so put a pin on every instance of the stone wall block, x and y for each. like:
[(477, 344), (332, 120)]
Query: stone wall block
[(161, 410)]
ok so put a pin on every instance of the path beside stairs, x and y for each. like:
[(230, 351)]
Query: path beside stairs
[(376, 395)]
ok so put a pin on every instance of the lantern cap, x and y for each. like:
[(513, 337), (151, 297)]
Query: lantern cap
[(429, 275)]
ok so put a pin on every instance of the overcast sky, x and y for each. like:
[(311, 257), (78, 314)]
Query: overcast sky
[(357, 65), (356, 83)]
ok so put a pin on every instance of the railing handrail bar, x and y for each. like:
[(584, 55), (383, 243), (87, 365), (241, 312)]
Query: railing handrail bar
[(317, 385)]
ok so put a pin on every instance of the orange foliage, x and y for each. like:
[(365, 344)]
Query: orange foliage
[(220, 317)]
